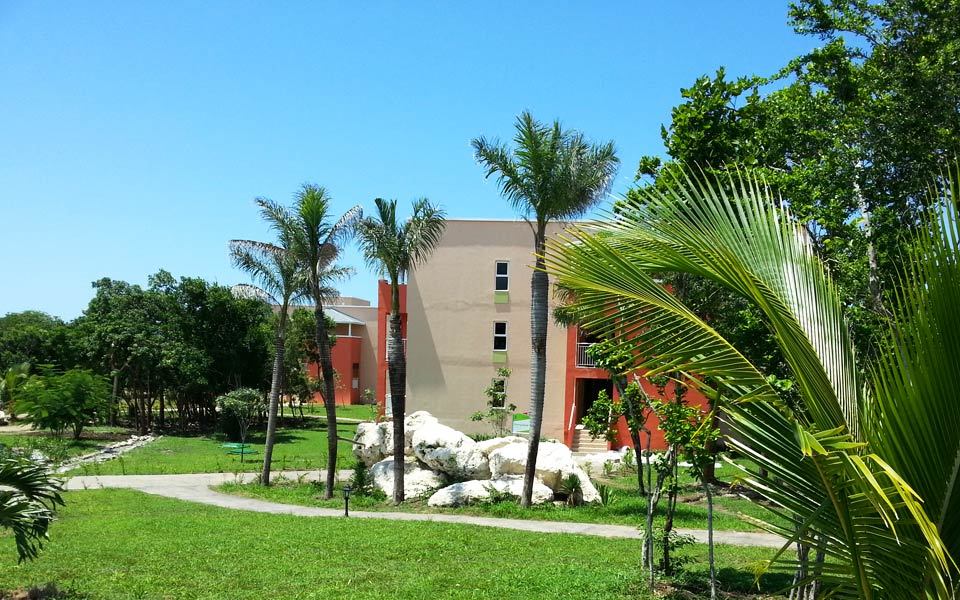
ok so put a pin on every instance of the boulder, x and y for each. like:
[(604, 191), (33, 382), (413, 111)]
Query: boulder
[(469, 492), (368, 443), (447, 450), (552, 460), (417, 480), (587, 489), (415, 421), (488, 446)]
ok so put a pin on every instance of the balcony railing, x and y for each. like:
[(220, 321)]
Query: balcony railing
[(583, 359)]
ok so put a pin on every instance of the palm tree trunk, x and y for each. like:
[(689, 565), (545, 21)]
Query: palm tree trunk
[(397, 367), (539, 287), (275, 380), (329, 400)]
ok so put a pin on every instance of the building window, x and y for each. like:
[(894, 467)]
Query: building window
[(500, 335), (502, 283)]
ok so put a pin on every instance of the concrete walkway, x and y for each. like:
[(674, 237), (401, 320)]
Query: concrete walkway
[(196, 488)]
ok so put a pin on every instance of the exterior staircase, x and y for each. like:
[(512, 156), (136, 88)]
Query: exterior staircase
[(584, 444)]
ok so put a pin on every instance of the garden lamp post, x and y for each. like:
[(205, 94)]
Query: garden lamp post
[(346, 500)]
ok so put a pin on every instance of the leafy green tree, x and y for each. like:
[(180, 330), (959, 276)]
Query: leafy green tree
[(34, 337), (57, 401), (12, 379), (863, 468), (29, 495), (394, 248), (243, 407), (847, 134), (316, 240), (551, 175)]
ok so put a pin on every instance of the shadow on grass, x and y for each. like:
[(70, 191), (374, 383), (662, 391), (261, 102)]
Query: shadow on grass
[(49, 591)]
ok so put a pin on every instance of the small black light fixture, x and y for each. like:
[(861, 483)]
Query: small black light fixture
[(346, 500)]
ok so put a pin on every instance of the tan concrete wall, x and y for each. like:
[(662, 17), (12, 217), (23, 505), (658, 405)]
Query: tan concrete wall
[(451, 311), (368, 342)]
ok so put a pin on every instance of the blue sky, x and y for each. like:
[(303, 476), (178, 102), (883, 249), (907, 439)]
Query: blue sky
[(135, 135)]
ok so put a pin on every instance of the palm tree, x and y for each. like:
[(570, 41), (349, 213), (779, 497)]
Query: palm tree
[(29, 495), (281, 282), (316, 242), (865, 469), (552, 175), (395, 248)]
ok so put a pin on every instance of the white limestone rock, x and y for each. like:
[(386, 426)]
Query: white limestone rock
[(414, 421), (470, 492), (368, 443), (552, 460), (417, 480), (447, 450), (589, 492), (488, 446)]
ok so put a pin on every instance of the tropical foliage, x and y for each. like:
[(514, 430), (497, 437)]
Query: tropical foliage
[(394, 248), (314, 240), (550, 175), (29, 494), (864, 468), (58, 401)]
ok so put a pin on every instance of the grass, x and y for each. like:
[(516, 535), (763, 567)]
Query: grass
[(59, 450), (124, 544), (625, 508), (298, 447), (363, 412)]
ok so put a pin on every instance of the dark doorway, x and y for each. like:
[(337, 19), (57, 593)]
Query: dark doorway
[(587, 392)]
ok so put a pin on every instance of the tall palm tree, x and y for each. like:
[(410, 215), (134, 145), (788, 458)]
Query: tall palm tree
[(865, 469), (281, 281), (315, 241), (29, 495), (395, 248), (551, 175)]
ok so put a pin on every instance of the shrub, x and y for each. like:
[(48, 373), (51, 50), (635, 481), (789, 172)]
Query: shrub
[(66, 400), (240, 409)]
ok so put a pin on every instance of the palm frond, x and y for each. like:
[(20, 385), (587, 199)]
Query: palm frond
[(29, 494), (914, 421)]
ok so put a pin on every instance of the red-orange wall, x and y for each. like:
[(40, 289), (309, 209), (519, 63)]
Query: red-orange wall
[(345, 353), (692, 397)]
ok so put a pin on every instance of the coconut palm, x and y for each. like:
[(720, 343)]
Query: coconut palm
[(281, 281), (551, 175), (29, 495), (394, 248), (315, 240), (865, 469)]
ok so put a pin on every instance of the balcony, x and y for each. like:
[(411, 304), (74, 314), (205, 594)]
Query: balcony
[(583, 359)]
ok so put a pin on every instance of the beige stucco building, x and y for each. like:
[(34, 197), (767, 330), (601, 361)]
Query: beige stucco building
[(462, 325)]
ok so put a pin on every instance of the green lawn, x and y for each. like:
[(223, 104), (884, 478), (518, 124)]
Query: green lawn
[(299, 447), (363, 412), (124, 544), (625, 507)]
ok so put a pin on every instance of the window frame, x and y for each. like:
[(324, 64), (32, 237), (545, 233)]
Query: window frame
[(505, 336), (497, 275)]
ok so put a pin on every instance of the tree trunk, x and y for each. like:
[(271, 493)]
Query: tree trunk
[(397, 368), (873, 270), (329, 399), (713, 567), (539, 287), (278, 353)]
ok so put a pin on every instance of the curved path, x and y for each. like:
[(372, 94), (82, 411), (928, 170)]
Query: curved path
[(196, 488)]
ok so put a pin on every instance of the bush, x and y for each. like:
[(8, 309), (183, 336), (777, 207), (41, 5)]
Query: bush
[(57, 401), (240, 409)]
